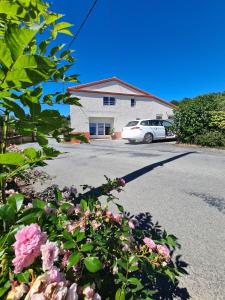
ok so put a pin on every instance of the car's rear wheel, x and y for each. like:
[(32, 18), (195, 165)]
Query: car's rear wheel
[(148, 139)]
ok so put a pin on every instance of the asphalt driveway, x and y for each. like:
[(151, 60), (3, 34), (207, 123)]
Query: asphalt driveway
[(182, 188)]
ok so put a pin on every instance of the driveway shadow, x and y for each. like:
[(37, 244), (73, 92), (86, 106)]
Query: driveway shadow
[(96, 192)]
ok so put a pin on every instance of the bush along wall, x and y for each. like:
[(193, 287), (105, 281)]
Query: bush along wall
[(201, 121)]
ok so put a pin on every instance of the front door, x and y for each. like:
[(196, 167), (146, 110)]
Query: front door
[(99, 129)]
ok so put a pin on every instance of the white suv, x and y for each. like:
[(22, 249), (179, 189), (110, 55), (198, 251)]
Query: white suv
[(147, 131)]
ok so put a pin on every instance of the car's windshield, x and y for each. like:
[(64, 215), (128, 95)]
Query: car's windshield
[(132, 123)]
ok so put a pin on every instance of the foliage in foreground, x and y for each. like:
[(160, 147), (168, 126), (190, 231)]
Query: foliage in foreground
[(69, 248)]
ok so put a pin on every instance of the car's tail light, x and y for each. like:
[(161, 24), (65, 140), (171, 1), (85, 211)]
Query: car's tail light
[(136, 127)]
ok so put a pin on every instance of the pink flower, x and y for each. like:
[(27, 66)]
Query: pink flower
[(88, 292), (54, 275), (50, 253), (117, 218), (125, 248), (29, 206), (27, 246), (87, 213), (66, 255), (95, 224), (48, 210), (115, 270), (150, 243), (132, 223), (72, 292), (78, 209), (163, 250), (109, 213), (121, 182), (97, 297), (39, 296)]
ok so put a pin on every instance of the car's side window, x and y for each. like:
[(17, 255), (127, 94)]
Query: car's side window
[(145, 123), (154, 123), (166, 124)]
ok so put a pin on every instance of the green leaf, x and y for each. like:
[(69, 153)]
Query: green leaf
[(7, 213), (16, 201), (52, 17), (69, 245), (30, 152), (73, 260), (11, 8), (23, 277), (83, 204), (66, 31), (5, 54), (56, 49), (58, 194), (17, 39), (12, 158), (93, 264), (37, 203), (62, 25), (80, 236), (170, 274), (120, 294), (42, 139), (14, 107), (136, 282), (86, 247), (32, 217), (5, 288)]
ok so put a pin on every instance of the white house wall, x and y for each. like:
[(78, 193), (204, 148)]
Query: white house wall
[(113, 87), (122, 112)]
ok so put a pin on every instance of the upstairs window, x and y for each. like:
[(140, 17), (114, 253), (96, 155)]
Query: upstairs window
[(109, 101), (132, 102)]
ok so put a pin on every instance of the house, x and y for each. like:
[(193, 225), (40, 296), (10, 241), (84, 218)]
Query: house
[(109, 104)]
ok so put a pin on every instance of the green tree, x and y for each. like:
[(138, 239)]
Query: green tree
[(29, 56)]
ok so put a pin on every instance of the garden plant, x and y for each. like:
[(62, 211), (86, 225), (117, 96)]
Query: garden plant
[(201, 120), (61, 245)]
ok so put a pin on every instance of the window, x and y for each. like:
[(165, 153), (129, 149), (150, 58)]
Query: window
[(159, 116), (92, 128), (101, 129), (132, 123), (155, 123), (107, 128), (132, 102), (167, 124), (109, 101), (145, 123)]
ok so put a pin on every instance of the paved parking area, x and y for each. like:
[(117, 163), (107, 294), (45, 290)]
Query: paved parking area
[(182, 188)]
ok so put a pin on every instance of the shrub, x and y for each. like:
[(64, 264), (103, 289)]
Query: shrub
[(217, 120), (211, 139), (192, 119), (79, 249)]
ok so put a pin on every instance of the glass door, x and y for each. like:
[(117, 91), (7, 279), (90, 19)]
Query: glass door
[(101, 129)]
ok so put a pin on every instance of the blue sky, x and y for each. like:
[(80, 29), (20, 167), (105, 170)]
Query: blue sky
[(173, 49)]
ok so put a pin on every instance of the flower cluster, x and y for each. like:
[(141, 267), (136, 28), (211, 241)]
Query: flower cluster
[(27, 246), (69, 241)]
